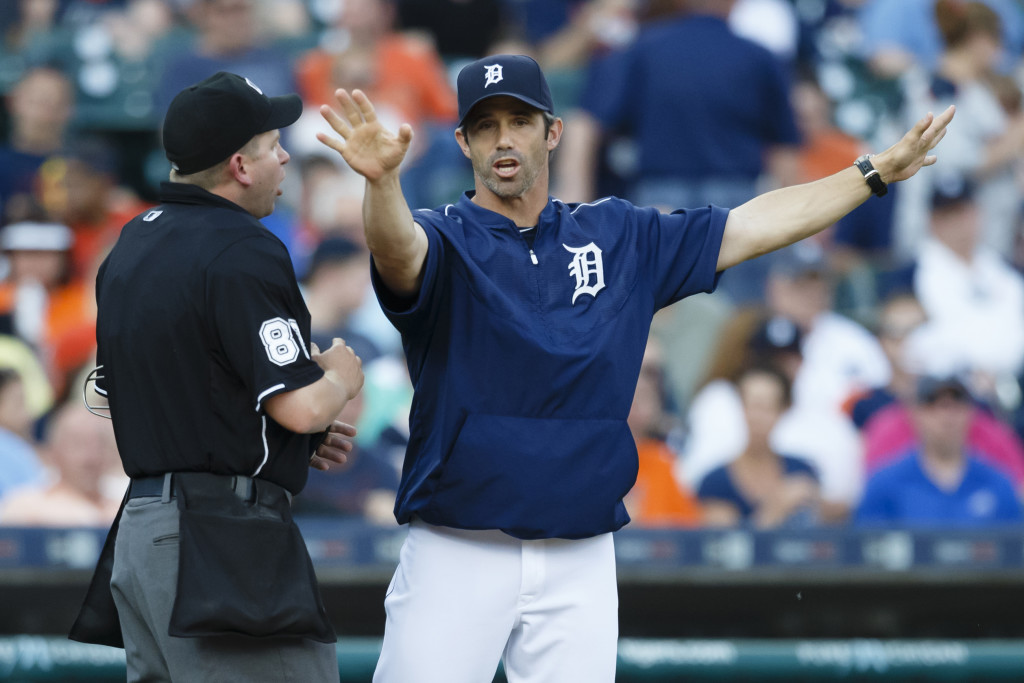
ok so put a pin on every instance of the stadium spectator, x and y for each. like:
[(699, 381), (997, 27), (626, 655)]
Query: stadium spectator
[(113, 52), (19, 463), (39, 108), (697, 143), (986, 148), (37, 256), (940, 482), (336, 284), (770, 23), (42, 304), (85, 194), (826, 357), (88, 483), (461, 29), (715, 429), (406, 78), (897, 36), (657, 499), (973, 298), (761, 487), (840, 356), (883, 415), (401, 71), (583, 30), (24, 20), (227, 38), (899, 316)]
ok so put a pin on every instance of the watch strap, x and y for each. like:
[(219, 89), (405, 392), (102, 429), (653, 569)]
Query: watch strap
[(871, 175)]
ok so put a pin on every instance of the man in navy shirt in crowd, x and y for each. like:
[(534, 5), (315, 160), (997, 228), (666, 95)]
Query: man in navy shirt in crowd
[(524, 321), (705, 132)]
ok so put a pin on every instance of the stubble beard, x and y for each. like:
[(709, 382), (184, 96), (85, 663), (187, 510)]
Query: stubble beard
[(510, 189)]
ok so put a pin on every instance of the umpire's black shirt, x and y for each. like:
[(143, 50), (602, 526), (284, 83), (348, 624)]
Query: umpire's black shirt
[(200, 320)]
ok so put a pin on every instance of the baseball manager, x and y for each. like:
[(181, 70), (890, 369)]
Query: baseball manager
[(524, 321)]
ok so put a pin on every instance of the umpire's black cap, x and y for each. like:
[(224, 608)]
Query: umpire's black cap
[(517, 76), (211, 120)]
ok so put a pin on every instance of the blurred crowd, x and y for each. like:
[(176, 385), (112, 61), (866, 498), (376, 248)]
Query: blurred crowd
[(869, 376)]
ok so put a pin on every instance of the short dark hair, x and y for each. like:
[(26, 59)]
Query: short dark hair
[(763, 367)]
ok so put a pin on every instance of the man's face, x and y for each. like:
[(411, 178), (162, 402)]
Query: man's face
[(764, 400), (41, 106), (801, 298), (508, 144), (228, 26), (943, 421), (266, 168)]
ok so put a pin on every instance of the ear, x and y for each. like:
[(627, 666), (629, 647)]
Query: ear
[(461, 139), (238, 168), (554, 134)]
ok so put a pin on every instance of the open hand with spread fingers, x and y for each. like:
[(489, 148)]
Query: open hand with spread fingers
[(367, 146), (910, 154)]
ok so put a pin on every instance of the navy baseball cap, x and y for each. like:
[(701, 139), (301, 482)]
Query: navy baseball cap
[(517, 76), (951, 189), (776, 334), (930, 388), (801, 259), (211, 120)]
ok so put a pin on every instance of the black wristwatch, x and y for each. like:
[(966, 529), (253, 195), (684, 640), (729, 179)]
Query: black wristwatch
[(871, 175)]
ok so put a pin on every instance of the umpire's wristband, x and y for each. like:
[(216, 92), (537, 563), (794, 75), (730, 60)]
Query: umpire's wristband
[(871, 175)]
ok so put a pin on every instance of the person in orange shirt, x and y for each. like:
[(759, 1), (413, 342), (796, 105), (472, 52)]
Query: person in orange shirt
[(81, 189), (657, 499), (397, 71), (41, 304)]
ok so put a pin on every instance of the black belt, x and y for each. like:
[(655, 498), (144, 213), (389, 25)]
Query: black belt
[(242, 486)]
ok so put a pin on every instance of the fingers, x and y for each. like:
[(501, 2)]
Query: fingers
[(921, 126), (335, 120), (323, 462), (314, 349), (365, 106), (334, 143), (342, 428), (945, 117), (405, 134), (942, 134), (937, 127), (355, 109), (334, 447), (349, 109)]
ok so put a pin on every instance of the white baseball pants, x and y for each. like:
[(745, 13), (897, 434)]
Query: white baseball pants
[(461, 600)]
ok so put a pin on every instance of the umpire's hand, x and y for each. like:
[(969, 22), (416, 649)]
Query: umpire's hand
[(341, 361), (335, 447)]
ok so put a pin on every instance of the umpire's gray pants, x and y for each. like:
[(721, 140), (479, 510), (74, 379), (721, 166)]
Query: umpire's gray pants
[(144, 582)]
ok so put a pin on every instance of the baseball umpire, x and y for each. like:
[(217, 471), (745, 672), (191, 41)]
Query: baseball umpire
[(217, 401), (524, 322)]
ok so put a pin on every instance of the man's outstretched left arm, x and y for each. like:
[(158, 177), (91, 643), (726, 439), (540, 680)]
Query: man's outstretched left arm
[(781, 217)]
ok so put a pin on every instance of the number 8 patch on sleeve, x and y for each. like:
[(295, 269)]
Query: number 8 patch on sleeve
[(282, 340)]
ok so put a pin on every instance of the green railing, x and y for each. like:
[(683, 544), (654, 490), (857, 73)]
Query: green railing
[(25, 659)]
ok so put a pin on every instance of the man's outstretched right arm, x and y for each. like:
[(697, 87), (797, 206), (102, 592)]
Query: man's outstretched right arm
[(398, 244)]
